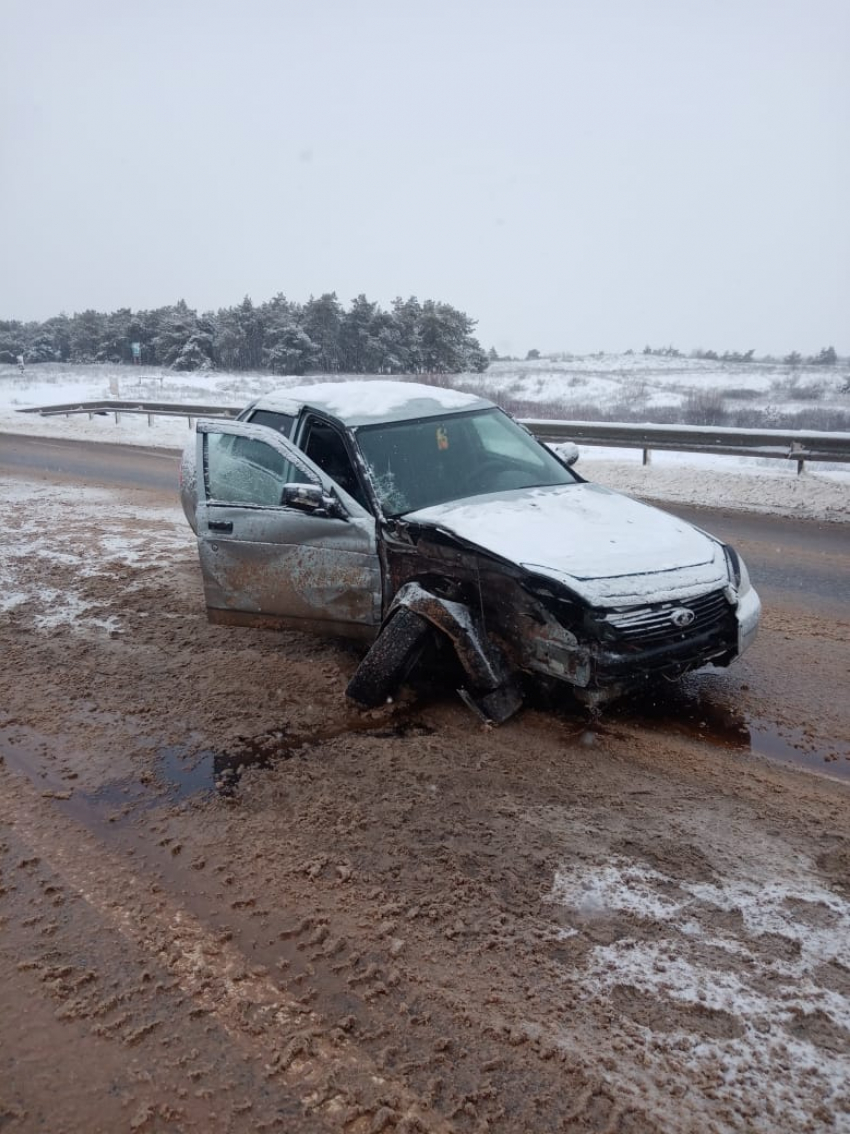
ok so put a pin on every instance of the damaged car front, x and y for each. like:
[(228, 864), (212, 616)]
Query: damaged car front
[(562, 578)]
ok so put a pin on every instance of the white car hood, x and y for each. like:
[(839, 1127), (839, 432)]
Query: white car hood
[(605, 546)]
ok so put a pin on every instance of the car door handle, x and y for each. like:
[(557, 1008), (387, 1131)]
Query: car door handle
[(220, 525)]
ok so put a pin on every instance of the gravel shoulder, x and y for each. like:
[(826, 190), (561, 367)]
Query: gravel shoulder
[(230, 902)]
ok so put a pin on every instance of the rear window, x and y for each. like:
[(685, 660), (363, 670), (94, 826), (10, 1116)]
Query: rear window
[(280, 422)]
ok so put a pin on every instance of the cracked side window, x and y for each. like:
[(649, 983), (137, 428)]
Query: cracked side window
[(243, 470)]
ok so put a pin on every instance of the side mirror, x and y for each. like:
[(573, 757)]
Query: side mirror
[(309, 498), (567, 451)]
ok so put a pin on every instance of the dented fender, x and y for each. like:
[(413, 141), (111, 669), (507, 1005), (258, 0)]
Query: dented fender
[(480, 658), (495, 694)]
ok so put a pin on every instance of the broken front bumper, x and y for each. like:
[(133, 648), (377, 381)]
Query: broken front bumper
[(624, 648)]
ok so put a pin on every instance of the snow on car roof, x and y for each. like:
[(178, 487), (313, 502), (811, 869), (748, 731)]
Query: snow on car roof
[(369, 402)]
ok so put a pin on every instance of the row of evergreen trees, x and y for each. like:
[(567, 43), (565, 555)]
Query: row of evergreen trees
[(281, 335)]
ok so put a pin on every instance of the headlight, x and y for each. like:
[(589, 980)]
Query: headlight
[(738, 573)]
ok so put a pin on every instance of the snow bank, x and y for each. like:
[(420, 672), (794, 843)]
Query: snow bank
[(735, 483)]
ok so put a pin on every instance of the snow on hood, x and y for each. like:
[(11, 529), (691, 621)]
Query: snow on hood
[(607, 547)]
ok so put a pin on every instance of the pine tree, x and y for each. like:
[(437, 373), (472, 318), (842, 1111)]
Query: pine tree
[(322, 323)]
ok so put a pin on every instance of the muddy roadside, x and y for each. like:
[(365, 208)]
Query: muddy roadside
[(229, 902)]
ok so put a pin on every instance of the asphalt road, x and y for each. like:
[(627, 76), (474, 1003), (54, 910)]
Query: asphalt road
[(806, 561), (123, 466)]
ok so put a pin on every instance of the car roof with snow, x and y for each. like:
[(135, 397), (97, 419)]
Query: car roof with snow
[(371, 402)]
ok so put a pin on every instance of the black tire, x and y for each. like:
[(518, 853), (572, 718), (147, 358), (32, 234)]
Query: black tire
[(393, 655)]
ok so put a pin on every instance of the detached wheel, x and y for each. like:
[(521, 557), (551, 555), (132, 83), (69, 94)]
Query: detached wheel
[(393, 655)]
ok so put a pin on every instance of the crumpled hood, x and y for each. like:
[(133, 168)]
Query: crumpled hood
[(605, 546)]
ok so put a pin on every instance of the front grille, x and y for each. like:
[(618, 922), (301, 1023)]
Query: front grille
[(649, 626)]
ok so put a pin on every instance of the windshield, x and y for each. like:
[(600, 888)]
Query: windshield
[(414, 464)]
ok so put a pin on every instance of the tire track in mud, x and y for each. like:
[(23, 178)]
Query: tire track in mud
[(314, 1058), (466, 1055)]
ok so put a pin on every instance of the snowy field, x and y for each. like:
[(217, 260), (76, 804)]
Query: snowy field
[(641, 387), (658, 389)]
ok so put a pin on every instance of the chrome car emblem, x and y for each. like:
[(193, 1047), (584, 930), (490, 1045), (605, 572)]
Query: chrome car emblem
[(682, 617)]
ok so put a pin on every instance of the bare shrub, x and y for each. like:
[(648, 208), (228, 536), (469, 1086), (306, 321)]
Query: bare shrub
[(704, 407), (811, 392), (792, 389), (818, 417), (627, 410), (664, 415), (553, 410)]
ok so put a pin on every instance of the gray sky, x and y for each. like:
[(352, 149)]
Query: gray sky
[(575, 175)]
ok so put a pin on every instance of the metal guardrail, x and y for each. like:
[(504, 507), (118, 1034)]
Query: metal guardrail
[(791, 444), (796, 444), (152, 409)]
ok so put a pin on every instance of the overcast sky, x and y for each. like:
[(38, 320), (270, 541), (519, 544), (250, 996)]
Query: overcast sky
[(575, 174)]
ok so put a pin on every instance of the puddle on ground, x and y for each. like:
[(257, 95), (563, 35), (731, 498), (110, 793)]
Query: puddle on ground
[(691, 710), (181, 774), (184, 772), (187, 774)]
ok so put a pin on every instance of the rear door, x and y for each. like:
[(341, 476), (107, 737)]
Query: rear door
[(266, 562)]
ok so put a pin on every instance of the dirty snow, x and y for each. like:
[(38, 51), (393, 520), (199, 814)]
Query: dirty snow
[(100, 540), (761, 975)]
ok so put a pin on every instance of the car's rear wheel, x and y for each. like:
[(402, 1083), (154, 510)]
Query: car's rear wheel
[(393, 655)]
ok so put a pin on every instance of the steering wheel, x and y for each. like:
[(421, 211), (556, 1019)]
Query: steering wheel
[(480, 473)]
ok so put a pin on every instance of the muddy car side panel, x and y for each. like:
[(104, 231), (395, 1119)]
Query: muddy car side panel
[(283, 563), (284, 566)]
